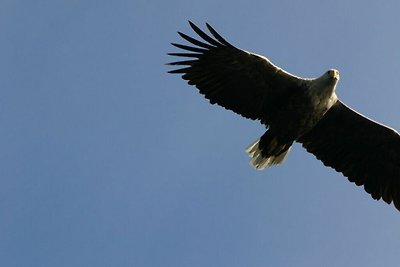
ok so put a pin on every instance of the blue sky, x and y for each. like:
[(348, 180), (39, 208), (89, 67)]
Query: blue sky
[(107, 160)]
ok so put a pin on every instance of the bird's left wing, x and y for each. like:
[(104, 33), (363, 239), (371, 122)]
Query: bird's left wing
[(245, 83), (366, 152)]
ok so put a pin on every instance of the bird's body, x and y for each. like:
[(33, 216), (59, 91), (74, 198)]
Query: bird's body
[(294, 109), (304, 110)]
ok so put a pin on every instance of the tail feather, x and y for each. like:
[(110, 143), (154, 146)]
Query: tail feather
[(261, 162)]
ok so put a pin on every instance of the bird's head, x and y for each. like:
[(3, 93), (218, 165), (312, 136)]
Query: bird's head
[(332, 74), (329, 78)]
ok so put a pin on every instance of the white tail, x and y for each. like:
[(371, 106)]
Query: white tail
[(259, 162)]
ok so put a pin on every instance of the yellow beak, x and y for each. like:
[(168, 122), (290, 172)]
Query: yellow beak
[(335, 74)]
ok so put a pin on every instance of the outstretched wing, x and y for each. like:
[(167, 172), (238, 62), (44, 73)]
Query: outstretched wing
[(245, 83), (366, 152)]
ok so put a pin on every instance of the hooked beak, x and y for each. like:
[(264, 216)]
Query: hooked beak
[(334, 74)]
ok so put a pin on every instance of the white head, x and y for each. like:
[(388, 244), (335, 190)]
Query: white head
[(333, 74), (329, 78)]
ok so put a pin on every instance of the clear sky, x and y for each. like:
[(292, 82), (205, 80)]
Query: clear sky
[(107, 160)]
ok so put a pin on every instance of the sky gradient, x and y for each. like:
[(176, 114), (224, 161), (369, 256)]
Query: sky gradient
[(107, 160)]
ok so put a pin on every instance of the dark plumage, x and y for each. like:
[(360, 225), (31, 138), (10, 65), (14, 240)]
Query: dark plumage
[(293, 109)]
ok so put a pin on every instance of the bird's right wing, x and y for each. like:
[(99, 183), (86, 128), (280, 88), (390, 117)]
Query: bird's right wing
[(366, 152), (245, 83)]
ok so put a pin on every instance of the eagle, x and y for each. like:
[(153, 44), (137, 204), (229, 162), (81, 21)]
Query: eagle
[(293, 109)]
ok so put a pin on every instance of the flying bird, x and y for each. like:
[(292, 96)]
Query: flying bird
[(293, 109)]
